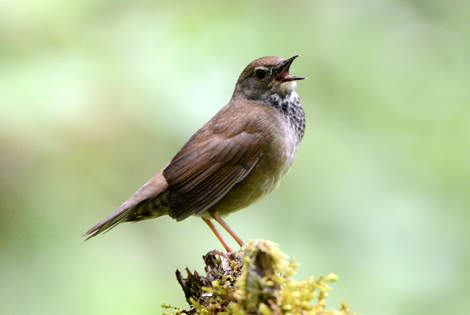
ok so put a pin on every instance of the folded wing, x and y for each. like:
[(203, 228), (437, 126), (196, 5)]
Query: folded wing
[(203, 172)]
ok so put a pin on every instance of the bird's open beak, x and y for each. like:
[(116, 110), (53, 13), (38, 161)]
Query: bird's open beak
[(283, 71)]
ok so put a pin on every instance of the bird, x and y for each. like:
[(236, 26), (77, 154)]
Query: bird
[(236, 158)]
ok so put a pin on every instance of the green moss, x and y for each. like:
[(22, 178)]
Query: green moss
[(255, 280)]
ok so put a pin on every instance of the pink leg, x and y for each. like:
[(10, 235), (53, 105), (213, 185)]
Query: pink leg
[(228, 229), (221, 239)]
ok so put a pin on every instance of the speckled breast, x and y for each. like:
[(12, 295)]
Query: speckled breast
[(281, 142)]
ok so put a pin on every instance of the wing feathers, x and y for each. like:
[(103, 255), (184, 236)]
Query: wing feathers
[(203, 172)]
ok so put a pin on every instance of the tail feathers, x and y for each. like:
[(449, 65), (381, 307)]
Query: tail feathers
[(116, 217), (147, 202)]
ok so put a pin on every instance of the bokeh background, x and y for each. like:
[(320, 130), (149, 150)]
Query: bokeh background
[(96, 96)]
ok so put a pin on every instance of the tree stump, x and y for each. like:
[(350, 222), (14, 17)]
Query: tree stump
[(254, 280)]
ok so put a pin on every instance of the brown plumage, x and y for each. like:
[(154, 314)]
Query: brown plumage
[(234, 159)]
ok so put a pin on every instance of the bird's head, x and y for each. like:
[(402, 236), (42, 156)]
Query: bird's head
[(266, 76)]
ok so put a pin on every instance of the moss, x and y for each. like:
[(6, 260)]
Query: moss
[(254, 280)]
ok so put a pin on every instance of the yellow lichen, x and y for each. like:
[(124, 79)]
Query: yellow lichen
[(263, 285)]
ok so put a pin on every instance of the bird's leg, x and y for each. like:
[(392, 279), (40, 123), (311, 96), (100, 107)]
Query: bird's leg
[(228, 229), (221, 239)]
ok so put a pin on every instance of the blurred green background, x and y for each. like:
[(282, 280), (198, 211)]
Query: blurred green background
[(96, 96)]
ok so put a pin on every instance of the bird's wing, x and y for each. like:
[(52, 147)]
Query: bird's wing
[(207, 168)]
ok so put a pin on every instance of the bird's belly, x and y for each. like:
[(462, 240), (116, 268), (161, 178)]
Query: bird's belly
[(262, 180)]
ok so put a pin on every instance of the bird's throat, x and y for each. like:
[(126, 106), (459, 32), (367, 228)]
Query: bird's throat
[(288, 87), (289, 106)]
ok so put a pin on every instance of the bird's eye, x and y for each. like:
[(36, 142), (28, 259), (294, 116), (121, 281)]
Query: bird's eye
[(261, 73)]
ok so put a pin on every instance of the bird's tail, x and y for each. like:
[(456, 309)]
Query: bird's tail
[(150, 201)]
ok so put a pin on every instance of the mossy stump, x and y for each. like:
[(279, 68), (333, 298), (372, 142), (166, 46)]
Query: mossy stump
[(254, 280)]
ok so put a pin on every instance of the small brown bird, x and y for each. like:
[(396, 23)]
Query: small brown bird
[(236, 158)]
